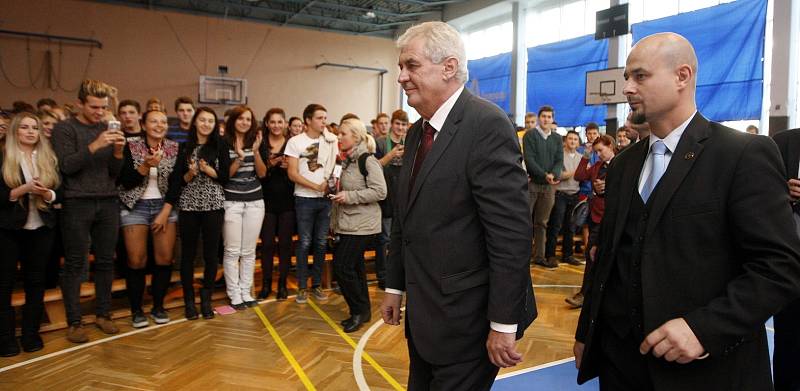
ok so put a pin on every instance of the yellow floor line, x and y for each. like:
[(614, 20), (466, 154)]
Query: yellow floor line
[(352, 343), (285, 350)]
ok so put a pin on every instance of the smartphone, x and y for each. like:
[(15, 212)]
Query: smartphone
[(114, 125)]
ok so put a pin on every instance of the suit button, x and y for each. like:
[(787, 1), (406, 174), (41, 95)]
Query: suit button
[(645, 216)]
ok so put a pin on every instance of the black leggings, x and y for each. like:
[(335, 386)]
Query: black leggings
[(32, 249), (191, 224), (281, 224)]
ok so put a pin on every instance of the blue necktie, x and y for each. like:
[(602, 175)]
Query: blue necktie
[(657, 151)]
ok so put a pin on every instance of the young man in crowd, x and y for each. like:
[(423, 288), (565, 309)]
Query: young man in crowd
[(90, 158), (544, 160), (46, 104), (389, 150), (381, 126), (565, 201), (312, 159), (184, 109), (592, 133), (622, 138), (130, 114)]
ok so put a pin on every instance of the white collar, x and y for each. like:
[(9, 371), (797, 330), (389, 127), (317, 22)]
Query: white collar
[(672, 139), (437, 121)]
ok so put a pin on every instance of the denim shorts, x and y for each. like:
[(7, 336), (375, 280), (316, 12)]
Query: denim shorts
[(144, 212)]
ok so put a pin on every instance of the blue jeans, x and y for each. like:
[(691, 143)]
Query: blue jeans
[(313, 222), (561, 214)]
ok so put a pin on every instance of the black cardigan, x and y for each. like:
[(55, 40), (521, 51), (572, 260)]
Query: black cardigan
[(176, 182), (14, 214)]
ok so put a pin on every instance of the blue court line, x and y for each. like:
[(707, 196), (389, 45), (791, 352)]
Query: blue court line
[(562, 376)]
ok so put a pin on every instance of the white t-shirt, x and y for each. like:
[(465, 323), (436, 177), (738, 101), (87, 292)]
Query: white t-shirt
[(306, 150)]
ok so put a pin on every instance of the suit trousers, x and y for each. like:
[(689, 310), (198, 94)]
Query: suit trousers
[(786, 357), (474, 375), (542, 198), (622, 367)]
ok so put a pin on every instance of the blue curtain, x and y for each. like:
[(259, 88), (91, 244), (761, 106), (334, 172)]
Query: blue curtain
[(490, 77), (729, 42), (557, 77)]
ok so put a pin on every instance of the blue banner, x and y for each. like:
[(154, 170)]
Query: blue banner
[(729, 42), (490, 77)]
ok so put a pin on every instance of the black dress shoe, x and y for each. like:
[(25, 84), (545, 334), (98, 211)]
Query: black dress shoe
[(354, 325), (8, 346), (347, 321), (283, 293), (264, 294), (190, 312), (32, 343)]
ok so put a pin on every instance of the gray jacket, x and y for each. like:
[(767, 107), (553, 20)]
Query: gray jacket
[(360, 214)]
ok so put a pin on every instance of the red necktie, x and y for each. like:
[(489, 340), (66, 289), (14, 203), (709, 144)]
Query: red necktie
[(424, 147)]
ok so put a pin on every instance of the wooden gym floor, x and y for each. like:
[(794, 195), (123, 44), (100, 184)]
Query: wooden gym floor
[(275, 346)]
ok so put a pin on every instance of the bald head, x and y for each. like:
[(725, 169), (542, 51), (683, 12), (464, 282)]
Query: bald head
[(661, 79)]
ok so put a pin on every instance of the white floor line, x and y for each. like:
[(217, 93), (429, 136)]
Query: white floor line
[(536, 368), (358, 371), (89, 344)]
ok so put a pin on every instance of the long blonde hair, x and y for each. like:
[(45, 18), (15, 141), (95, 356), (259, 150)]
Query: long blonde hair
[(46, 160)]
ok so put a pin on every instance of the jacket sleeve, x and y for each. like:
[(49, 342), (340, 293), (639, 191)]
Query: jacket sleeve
[(376, 185), (5, 190), (129, 177), (761, 223), (558, 163), (500, 192), (395, 265), (224, 159), (582, 173), (529, 143)]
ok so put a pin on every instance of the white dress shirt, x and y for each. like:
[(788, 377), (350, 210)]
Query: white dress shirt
[(437, 122), (671, 141)]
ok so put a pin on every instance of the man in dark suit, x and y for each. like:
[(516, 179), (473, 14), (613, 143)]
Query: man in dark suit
[(786, 356), (460, 240), (697, 246)]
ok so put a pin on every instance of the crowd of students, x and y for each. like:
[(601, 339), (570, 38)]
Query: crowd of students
[(81, 178)]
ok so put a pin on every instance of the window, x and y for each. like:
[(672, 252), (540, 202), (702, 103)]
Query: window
[(490, 41)]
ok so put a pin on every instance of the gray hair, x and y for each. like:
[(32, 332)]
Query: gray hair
[(442, 41)]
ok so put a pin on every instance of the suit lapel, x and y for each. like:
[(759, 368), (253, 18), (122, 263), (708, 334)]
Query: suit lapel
[(440, 144), (629, 185), (404, 179), (686, 153)]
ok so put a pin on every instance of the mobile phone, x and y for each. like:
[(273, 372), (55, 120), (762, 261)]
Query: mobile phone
[(114, 125)]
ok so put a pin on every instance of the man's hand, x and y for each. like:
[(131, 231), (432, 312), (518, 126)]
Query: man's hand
[(105, 139), (502, 352), (599, 186), (794, 188), (339, 197), (674, 341), (397, 151), (390, 308), (577, 350)]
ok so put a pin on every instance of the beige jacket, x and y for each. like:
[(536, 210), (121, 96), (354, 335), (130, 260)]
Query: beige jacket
[(360, 214)]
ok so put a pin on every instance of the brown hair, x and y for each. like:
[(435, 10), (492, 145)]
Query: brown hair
[(607, 141), (309, 111), (271, 112), (130, 102), (230, 127), (399, 115), (183, 100), (381, 115), (94, 88), (546, 108)]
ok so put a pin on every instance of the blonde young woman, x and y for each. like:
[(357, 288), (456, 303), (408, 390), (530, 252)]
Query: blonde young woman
[(356, 217), (27, 222)]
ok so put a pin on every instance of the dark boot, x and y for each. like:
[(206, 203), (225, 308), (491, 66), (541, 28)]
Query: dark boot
[(205, 303), (8, 341), (31, 319), (266, 289)]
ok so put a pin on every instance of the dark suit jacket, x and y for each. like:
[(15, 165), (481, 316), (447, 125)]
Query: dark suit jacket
[(789, 144), (460, 242), (720, 251), (14, 214)]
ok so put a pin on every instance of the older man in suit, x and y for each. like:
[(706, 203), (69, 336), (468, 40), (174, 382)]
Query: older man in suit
[(460, 240), (697, 246)]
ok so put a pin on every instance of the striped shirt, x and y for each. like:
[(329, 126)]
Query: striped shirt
[(244, 184)]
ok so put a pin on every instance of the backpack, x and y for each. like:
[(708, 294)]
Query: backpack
[(362, 165)]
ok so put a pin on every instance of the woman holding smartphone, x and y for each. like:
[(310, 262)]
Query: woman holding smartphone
[(356, 218), (200, 173), (27, 222), (244, 204), (279, 198), (144, 184)]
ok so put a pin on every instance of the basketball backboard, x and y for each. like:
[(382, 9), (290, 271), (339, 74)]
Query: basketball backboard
[(222, 90), (605, 87)]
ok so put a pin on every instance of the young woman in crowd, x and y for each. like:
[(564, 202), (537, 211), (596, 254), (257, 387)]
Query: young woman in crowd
[(49, 120), (244, 204), (144, 185), (605, 147), (296, 126), (356, 218), (200, 173), (27, 222), (279, 199)]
